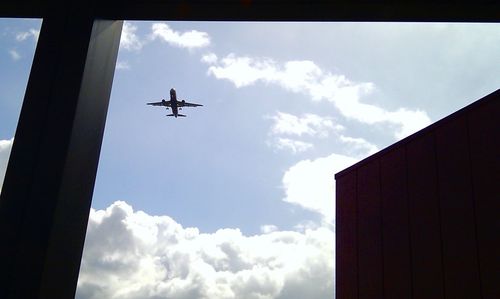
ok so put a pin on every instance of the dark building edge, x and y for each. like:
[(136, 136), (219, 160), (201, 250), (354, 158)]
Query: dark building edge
[(266, 10), (461, 112)]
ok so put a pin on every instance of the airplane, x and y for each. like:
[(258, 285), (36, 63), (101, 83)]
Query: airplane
[(174, 104)]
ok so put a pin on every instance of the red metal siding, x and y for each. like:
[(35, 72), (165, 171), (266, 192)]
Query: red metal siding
[(370, 264), (484, 132), (346, 224), (461, 275), (420, 218), (395, 228), (425, 226)]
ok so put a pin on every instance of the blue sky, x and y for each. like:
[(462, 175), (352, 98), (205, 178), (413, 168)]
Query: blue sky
[(243, 187)]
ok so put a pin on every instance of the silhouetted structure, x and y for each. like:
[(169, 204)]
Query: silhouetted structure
[(420, 219), (48, 185)]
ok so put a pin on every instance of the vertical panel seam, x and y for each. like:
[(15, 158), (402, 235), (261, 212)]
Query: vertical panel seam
[(438, 193), (356, 223), (381, 226), (338, 236), (410, 251), (473, 199)]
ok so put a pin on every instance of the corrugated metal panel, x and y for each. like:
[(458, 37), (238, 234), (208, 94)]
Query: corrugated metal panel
[(347, 279), (484, 132), (461, 275), (427, 212), (395, 230), (425, 227), (370, 263)]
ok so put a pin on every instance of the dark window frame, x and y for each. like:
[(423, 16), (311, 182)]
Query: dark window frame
[(50, 177)]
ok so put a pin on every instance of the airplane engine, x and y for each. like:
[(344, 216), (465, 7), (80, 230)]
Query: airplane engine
[(183, 101)]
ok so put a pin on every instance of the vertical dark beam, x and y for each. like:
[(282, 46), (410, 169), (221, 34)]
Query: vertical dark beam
[(425, 228), (346, 286), (484, 142), (72, 211), (460, 261), (370, 259), (48, 186), (395, 225)]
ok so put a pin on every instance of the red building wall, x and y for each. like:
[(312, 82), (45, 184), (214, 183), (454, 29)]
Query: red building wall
[(421, 218)]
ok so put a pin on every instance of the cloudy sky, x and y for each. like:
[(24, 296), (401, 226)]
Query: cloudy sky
[(237, 199)]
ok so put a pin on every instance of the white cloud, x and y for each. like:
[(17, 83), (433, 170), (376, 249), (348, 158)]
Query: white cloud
[(33, 33), (209, 58), (190, 39), (359, 146), (295, 146), (131, 254), (14, 55), (412, 121), (268, 228), (244, 71), (5, 147), (129, 39), (314, 126), (308, 124), (307, 225), (306, 77), (311, 185), (122, 65), (21, 36)]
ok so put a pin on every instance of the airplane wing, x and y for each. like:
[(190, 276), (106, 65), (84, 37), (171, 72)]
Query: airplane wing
[(186, 104), (162, 103)]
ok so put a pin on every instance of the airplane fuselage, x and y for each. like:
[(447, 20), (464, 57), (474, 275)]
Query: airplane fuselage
[(173, 102)]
